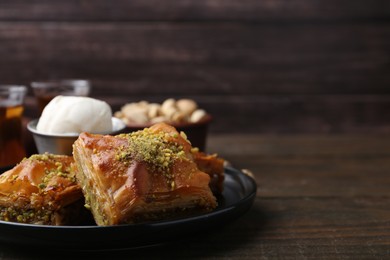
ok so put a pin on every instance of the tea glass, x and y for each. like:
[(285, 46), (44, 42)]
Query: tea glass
[(45, 91), (12, 149)]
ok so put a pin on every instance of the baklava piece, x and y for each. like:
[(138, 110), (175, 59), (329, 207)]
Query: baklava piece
[(213, 166), (42, 189), (142, 176)]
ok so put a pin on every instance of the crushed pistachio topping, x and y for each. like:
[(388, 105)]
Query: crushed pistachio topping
[(25, 215), (182, 134), (38, 157), (194, 150), (59, 170), (158, 150)]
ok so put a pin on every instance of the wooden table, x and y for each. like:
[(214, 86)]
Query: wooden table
[(319, 196)]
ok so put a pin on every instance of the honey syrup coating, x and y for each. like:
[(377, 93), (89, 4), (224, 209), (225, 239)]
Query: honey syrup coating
[(142, 176), (41, 189)]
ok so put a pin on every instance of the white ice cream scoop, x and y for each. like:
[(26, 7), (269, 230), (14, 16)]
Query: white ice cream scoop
[(65, 117), (71, 114)]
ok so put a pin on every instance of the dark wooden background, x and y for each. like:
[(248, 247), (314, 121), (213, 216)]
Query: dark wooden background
[(271, 66)]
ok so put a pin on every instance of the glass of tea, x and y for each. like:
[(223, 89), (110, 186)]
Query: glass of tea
[(44, 91), (12, 150)]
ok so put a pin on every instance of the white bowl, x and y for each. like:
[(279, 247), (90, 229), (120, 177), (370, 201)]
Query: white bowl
[(62, 143)]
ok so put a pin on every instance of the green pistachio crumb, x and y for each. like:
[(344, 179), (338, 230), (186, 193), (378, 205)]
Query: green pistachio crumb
[(42, 185), (157, 149)]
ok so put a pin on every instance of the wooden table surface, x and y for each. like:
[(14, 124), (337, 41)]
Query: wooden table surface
[(319, 196)]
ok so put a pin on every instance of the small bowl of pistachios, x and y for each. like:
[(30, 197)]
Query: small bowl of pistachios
[(184, 114)]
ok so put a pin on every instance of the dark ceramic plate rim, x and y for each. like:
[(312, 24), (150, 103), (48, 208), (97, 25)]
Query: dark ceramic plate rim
[(98, 238)]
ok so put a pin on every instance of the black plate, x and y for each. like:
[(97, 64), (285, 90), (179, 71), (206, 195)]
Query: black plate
[(237, 198)]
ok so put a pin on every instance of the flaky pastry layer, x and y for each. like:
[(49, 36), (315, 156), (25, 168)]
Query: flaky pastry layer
[(41, 189), (142, 176)]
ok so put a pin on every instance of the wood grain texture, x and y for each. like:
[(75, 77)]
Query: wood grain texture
[(273, 66), (166, 59), (310, 165), (201, 10)]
